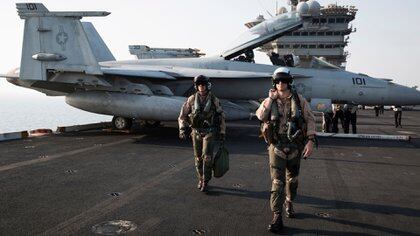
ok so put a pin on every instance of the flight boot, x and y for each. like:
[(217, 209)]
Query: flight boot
[(288, 208), (276, 224)]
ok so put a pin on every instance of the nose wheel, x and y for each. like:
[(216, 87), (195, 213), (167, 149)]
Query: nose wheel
[(121, 123)]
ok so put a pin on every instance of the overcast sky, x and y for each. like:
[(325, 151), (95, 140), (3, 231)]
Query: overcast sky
[(385, 44)]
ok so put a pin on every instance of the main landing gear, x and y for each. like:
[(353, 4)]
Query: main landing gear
[(122, 123)]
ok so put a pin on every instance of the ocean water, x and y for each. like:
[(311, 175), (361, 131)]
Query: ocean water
[(19, 113)]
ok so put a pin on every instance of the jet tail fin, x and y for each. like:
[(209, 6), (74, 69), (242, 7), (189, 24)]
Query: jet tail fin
[(30, 8), (55, 42), (99, 48)]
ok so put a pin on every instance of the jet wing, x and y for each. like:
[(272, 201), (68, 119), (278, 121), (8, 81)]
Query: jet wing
[(172, 73), (133, 72), (263, 33)]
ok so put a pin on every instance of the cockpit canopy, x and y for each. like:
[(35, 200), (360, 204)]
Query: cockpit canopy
[(318, 63), (264, 32)]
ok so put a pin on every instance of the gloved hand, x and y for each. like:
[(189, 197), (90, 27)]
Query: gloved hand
[(273, 94), (182, 135)]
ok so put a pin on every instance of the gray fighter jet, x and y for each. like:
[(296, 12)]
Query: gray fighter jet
[(62, 56)]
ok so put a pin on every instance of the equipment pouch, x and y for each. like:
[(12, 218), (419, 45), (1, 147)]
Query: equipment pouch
[(267, 132), (196, 120)]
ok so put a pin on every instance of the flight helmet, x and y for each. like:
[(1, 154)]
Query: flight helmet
[(282, 74), (202, 79)]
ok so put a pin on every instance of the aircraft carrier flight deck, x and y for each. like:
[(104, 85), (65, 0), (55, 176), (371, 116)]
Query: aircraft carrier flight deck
[(74, 183)]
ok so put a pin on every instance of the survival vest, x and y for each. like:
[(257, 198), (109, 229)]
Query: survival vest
[(296, 125), (204, 118)]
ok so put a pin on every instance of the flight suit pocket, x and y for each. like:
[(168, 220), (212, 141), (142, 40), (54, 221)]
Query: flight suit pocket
[(276, 157)]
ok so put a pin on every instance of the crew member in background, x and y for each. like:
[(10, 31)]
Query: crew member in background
[(338, 114), (397, 116), (350, 117), (376, 108), (327, 120), (381, 109)]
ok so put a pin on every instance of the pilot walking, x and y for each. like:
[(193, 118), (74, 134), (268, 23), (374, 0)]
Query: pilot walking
[(202, 113), (288, 126)]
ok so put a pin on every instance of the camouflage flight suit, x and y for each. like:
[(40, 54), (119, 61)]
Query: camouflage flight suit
[(205, 131), (285, 156)]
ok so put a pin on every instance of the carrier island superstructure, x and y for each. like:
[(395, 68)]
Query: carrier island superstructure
[(325, 37)]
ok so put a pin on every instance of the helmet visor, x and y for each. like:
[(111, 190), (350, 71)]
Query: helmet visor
[(282, 77), (201, 83)]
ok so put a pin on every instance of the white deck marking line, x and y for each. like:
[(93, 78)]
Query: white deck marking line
[(72, 225), (60, 155)]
